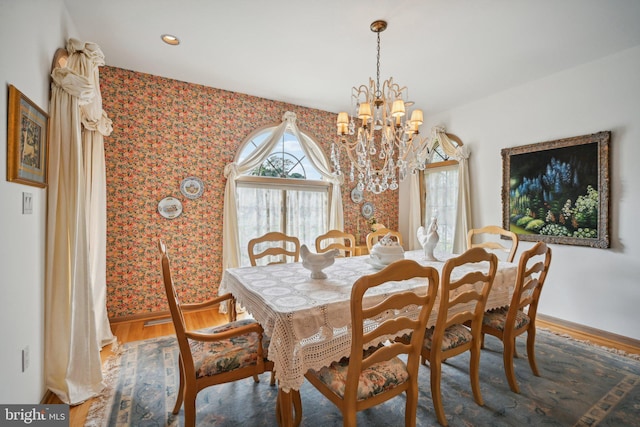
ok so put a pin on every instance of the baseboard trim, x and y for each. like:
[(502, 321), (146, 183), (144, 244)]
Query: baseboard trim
[(587, 333), (48, 398), (154, 316)]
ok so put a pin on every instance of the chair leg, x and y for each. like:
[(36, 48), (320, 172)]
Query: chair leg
[(474, 372), (436, 395), (531, 354), (190, 409), (273, 378), (349, 418), (256, 378), (412, 404), (180, 397), (507, 356)]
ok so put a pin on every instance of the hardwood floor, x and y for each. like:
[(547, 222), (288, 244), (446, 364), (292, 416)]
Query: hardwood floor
[(137, 330)]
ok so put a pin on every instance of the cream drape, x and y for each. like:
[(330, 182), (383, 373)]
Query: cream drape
[(95, 126), (76, 323), (414, 211), (463, 221), (230, 237)]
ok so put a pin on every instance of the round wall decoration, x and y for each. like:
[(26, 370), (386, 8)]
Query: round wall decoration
[(170, 207), (356, 195), (191, 187), (367, 210)]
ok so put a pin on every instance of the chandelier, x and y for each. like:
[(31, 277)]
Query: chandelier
[(386, 146)]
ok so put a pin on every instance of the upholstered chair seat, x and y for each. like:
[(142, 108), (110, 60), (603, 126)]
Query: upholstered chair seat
[(216, 357), (373, 380), (454, 336), (497, 318)]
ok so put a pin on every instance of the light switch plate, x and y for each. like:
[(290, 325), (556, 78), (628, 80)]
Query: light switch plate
[(27, 203)]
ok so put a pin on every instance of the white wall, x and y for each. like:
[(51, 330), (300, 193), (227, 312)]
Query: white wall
[(594, 287), (32, 31)]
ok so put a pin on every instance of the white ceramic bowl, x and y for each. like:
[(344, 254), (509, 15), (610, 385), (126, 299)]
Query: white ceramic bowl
[(386, 254)]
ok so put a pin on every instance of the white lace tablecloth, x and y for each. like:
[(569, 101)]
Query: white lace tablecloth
[(307, 319)]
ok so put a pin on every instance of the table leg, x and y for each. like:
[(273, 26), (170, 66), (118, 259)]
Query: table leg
[(288, 408)]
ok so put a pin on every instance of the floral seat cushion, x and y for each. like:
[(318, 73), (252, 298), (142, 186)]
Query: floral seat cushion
[(496, 318), (374, 380), (454, 336), (215, 357)]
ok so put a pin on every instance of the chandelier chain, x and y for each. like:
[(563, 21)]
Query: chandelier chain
[(378, 93)]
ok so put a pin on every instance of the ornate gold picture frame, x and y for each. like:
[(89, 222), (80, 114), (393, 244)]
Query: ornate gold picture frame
[(558, 191), (27, 141)]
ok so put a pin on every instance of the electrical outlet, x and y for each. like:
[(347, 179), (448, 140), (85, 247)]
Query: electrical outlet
[(27, 203), (25, 358)]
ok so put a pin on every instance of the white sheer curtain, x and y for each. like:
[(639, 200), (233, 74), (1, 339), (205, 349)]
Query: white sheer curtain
[(230, 239), (463, 223), (441, 186), (75, 295)]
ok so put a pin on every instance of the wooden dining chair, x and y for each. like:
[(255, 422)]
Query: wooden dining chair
[(374, 236), (369, 377), (464, 290), (336, 239), (221, 354), (274, 244), (493, 238), (520, 316)]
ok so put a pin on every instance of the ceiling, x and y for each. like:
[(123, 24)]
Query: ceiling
[(310, 53)]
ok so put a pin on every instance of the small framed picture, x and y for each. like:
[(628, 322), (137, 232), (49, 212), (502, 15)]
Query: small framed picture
[(27, 141)]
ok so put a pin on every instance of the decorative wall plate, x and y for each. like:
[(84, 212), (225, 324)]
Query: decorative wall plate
[(367, 210), (191, 187), (170, 207), (356, 195)]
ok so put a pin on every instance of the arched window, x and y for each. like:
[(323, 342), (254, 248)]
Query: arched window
[(286, 160), (304, 208), (284, 193)]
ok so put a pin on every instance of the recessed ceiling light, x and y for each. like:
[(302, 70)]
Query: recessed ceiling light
[(169, 39)]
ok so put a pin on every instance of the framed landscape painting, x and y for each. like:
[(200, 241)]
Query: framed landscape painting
[(558, 191), (27, 141)]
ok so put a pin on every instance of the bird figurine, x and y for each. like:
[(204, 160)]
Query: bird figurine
[(316, 262), (429, 239)]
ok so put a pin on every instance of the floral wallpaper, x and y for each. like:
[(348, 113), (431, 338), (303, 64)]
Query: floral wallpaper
[(164, 131)]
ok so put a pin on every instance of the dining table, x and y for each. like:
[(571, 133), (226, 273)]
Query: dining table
[(308, 319)]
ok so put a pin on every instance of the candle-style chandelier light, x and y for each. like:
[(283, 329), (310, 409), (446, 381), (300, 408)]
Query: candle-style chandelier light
[(387, 146)]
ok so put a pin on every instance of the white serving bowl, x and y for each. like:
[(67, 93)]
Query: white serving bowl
[(386, 254)]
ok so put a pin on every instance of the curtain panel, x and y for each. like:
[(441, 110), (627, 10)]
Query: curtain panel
[(76, 325)]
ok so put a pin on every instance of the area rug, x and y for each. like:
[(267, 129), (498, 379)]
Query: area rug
[(580, 385)]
